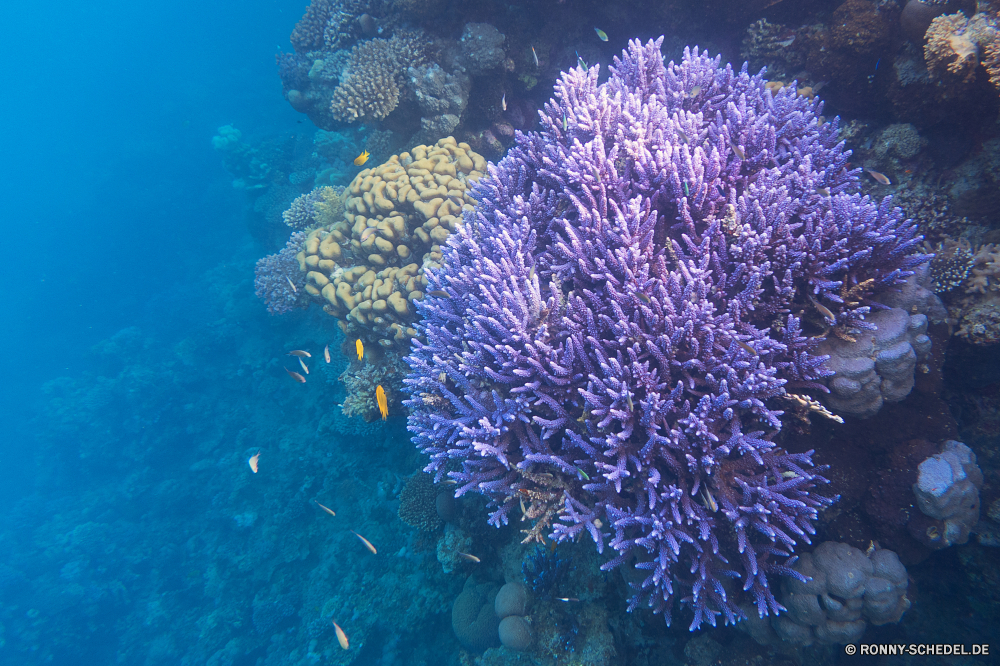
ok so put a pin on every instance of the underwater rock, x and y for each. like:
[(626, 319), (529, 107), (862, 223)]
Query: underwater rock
[(846, 590), (947, 490)]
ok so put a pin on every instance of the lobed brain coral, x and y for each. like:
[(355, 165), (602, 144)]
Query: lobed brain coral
[(368, 268)]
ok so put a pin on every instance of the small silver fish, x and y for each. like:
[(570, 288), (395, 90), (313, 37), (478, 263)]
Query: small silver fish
[(534, 55), (503, 102), (695, 91), (292, 285)]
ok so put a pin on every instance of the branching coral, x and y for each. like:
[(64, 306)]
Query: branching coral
[(615, 318), (308, 32), (279, 281), (371, 87)]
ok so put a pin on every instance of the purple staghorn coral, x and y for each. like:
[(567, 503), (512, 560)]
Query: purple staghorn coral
[(276, 274), (625, 310)]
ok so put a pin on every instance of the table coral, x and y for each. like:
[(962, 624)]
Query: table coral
[(608, 329)]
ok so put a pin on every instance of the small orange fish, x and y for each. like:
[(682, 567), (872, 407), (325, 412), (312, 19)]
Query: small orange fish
[(327, 509), (383, 404), (466, 556), (361, 349), (361, 159), (292, 285), (368, 544), (304, 366), (880, 177), (253, 461), (299, 353), (326, 353), (296, 376), (341, 636)]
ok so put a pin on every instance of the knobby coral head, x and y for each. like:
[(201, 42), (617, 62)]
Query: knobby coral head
[(625, 309)]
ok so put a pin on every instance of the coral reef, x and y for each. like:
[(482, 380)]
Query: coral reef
[(627, 297), (947, 490)]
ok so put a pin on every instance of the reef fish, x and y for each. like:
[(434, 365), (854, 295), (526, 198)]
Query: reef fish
[(361, 349), (296, 376), (300, 353), (695, 91), (368, 544), (466, 556), (367, 233), (291, 284), (383, 404), (503, 101), (326, 353), (438, 293), (341, 636), (601, 35), (534, 55), (305, 368), (880, 177), (361, 159), (253, 461), (327, 509)]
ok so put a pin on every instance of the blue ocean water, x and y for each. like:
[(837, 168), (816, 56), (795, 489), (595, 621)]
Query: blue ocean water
[(141, 375)]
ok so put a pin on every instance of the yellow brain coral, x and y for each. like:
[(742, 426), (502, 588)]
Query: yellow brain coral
[(368, 268)]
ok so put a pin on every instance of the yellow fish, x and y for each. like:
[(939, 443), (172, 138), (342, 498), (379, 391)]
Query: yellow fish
[(383, 404), (361, 349), (603, 36), (361, 159)]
